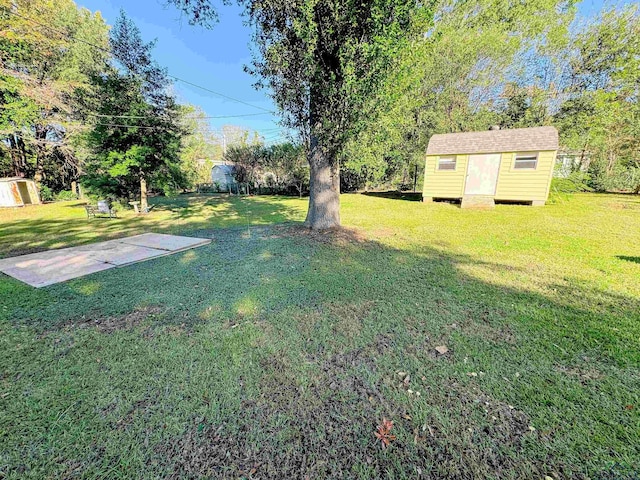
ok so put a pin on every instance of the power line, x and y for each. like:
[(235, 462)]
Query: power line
[(219, 94), (196, 117), (71, 37), (127, 126), (187, 117), (274, 134)]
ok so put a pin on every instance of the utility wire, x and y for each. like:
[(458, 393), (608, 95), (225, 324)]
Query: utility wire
[(127, 126), (260, 132), (186, 117), (71, 37)]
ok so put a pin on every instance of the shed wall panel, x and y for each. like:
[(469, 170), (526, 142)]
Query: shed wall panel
[(444, 183), (525, 184)]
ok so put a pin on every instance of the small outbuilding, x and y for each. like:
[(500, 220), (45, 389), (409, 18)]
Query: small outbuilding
[(480, 168), (222, 176), (17, 192)]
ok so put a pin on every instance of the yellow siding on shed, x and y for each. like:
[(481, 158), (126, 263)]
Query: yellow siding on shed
[(519, 185), (525, 184), (444, 183)]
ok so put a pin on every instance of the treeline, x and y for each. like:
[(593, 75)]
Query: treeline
[(488, 62), (41, 69), (82, 103), (275, 169)]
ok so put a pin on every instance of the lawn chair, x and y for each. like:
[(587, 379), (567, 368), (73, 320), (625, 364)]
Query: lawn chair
[(101, 209), (138, 209)]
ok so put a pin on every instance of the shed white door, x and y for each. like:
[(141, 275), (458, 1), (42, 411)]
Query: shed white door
[(482, 174)]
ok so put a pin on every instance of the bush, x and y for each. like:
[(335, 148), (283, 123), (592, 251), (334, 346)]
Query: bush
[(46, 195), (620, 179), (575, 182), (65, 195)]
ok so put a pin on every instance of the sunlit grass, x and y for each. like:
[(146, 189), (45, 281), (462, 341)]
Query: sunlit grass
[(273, 350)]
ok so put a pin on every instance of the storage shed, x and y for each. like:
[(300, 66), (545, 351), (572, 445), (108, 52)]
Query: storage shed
[(222, 175), (480, 168), (17, 192)]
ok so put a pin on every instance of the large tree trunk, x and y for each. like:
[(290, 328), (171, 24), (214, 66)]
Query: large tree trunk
[(144, 205), (22, 152), (16, 158), (41, 152), (324, 188)]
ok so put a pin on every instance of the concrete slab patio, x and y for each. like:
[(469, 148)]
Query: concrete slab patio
[(55, 266)]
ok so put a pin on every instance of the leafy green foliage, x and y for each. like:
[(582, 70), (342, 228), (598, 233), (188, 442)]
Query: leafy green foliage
[(46, 195), (145, 145), (42, 67), (279, 167), (453, 78), (602, 114), (574, 182), (199, 146), (65, 195)]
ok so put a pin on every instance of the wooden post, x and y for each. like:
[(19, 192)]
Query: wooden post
[(144, 205)]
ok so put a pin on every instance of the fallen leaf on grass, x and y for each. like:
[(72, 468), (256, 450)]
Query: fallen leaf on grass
[(383, 432), (442, 349)]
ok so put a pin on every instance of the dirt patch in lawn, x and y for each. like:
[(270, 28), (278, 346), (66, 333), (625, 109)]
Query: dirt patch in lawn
[(470, 434), (349, 317), (584, 375), (484, 325), (319, 423), (113, 323), (340, 236), (319, 426)]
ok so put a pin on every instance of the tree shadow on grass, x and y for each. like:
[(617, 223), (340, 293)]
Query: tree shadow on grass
[(184, 215), (628, 258), (275, 352), (395, 195)]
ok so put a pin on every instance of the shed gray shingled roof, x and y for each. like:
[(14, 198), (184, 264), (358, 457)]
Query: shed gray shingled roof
[(494, 141)]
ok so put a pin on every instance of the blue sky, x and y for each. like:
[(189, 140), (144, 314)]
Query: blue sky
[(213, 58)]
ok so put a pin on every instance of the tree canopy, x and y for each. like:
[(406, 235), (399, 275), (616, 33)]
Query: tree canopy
[(364, 84), (322, 61), (133, 92), (47, 51)]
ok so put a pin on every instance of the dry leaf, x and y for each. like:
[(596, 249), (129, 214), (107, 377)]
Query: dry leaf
[(383, 432)]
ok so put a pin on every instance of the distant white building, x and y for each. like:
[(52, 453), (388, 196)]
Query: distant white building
[(222, 175), (569, 161)]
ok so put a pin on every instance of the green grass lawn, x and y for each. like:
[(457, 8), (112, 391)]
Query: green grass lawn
[(274, 353)]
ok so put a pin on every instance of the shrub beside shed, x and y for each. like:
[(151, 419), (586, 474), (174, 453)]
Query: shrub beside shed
[(480, 168)]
